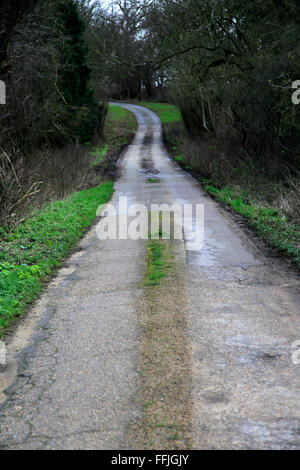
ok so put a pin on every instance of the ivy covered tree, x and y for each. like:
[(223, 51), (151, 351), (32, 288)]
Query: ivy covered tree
[(75, 73), (82, 116)]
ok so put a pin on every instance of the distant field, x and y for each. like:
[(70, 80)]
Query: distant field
[(117, 114), (118, 125), (166, 112)]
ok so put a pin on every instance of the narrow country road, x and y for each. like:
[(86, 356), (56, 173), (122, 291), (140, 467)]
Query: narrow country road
[(78, 376)]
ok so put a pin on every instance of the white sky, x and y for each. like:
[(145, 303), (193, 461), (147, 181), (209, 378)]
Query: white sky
[(104, 3)]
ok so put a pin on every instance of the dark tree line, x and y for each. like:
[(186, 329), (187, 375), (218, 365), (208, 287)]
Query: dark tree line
[(237, 62), (228, 65), (43, 61)]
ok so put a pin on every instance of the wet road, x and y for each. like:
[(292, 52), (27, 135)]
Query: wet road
[(78, 350)]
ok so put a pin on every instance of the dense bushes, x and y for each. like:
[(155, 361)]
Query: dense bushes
[(50, 104), (227, 64), (236, 79)]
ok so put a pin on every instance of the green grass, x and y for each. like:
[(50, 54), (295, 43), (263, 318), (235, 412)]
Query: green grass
[(267, 221), (165, 425), (167, 112), (148, 404), (158, 257), (30, 253), (155, 263), (117, 113), (120, 124), (100, 154), (153, 180)]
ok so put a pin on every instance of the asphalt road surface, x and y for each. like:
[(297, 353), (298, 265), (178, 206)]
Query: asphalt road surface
[(72, 380)]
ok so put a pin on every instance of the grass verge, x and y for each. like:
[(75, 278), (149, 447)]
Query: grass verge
[(167, 113), (31, 252), (120, 126), (100, 153), (271, 223)]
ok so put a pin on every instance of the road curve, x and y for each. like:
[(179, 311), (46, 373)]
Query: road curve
[(77, 352)]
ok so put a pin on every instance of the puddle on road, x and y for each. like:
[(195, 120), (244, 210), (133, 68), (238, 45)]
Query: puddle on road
[(146, 163)]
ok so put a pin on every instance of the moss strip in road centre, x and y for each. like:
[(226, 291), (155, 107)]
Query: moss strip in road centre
[(164, 362)]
